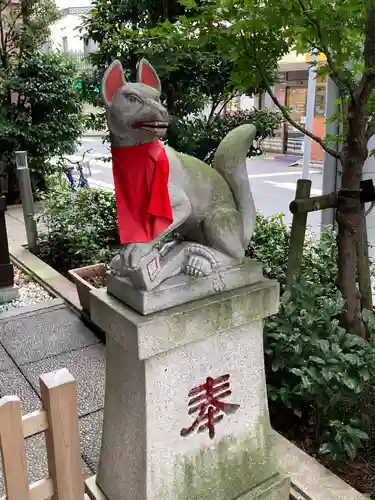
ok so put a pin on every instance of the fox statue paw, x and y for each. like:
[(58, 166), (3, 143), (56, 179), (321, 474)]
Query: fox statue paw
[(198, 266)]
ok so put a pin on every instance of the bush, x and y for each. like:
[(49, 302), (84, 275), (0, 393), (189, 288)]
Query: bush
[(77, 229), (47, 119), (200, 138), (317, 370)]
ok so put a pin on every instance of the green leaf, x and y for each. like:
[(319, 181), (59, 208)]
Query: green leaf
[(349, 382)]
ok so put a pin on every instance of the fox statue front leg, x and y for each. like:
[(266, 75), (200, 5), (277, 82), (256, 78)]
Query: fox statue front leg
[(131, 255)]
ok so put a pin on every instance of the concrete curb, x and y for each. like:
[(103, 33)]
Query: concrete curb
[(310, 480), (313, 166), (55, 283), (31, 309)]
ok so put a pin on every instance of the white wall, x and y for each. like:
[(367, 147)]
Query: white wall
[(247, 102), (66, 27)]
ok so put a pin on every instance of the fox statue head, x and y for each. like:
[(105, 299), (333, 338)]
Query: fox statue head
[(134, 112)]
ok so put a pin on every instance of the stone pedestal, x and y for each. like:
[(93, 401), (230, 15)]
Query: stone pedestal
[(186, 414), (8, 293)]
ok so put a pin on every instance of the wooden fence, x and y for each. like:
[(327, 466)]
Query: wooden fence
[(59, 421)]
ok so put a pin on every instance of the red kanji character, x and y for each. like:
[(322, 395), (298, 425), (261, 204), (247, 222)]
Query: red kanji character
[(206, 400)]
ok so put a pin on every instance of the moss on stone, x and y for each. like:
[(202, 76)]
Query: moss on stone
[(224, 472)]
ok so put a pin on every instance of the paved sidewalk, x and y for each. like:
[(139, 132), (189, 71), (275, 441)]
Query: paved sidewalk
[(45, 337)]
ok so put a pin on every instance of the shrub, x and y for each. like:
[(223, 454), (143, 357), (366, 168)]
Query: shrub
[(77, 229), (314, 367), (200, 138), (320, 371), (47, 119)]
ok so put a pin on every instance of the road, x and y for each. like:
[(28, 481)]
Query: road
[(272, 181)]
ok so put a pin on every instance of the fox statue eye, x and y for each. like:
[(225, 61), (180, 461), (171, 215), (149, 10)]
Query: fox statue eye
[(132, 98)]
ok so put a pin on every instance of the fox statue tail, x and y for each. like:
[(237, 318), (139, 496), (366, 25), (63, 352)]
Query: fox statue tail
[(230, 163)]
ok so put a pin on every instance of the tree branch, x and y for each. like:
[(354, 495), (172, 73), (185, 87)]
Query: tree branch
[(335, 74), (287, 116)]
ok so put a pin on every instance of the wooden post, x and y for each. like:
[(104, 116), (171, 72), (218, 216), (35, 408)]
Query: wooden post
[(6, 267), (13, 449), (59, 398), (297, 235), (363, 263)]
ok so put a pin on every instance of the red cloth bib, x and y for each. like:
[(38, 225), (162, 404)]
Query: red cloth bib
[(140, 175)]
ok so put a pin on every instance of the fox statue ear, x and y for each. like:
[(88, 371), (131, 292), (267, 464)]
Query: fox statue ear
[(113, 80), (147, 75)]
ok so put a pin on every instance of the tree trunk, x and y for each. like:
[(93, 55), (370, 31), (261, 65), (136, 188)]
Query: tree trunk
[(353, 157)]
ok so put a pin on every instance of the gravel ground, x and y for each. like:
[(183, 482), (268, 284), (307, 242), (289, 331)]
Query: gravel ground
[(30, 292)]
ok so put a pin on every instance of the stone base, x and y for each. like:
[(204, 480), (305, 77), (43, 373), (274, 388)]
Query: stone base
[(159, 367), (181, 289), (275, 488), (8, 293)]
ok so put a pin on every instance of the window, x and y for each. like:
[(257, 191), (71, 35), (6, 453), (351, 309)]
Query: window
[(65, 44)]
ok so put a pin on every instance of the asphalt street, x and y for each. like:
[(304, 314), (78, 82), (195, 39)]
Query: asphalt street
[(272, 180)]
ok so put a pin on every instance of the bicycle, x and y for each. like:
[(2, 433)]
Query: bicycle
[(78, 165)]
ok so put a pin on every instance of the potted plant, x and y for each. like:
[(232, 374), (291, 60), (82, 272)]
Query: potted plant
[(86, 279)]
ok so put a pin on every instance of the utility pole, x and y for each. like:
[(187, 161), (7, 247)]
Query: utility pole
[(27, 199), (8, 291), (310, 111), (331, 165)]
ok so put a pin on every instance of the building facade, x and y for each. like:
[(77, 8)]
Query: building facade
[(291, 91), (65, 34)]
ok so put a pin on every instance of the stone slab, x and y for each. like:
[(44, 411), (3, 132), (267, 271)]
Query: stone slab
[(8, 293), (91, 427), (310, 480), (49, 305), (181, 289), (49, 278), (6, 362), (276, 488), (38, 335), (12, 382), (87, 366), (93, 490), (184, 324)]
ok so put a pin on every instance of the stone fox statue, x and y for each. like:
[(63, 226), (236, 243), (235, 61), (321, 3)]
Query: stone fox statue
[(159, 190)]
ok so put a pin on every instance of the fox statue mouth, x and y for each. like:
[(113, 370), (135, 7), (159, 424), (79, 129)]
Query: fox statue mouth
[(151, 126)]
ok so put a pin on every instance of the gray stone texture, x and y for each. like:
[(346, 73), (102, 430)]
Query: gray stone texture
[(276, 488), (8, 293), (87, 366), (181, 289), (35, 336), (49, 306), (13, 383), (152, 364), (181, 325), (310, 480), (91, 427)]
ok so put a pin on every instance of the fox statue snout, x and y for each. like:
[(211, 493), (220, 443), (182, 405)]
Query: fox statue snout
[(134, 112)]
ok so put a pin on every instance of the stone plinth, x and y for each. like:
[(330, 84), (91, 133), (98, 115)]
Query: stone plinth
[(8, 293), (208, 350), (182, 288)]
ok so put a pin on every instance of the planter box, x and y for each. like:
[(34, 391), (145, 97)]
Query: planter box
[(79, 277)]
